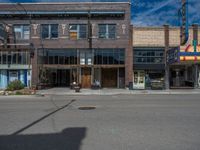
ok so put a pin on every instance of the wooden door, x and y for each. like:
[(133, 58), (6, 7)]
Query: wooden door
[(86, 78), (109, 78)]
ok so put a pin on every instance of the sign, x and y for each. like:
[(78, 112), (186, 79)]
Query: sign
[(173, 55), (190, 53)]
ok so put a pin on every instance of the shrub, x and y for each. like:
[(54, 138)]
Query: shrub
[(19, 93), (15, 85)]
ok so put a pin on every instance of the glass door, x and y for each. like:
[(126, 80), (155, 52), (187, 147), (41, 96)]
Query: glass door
[(138, 80)]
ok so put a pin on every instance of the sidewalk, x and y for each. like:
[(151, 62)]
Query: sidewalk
[(107, 91)]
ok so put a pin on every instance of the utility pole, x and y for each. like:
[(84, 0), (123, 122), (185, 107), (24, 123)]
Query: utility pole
[(166, 34)]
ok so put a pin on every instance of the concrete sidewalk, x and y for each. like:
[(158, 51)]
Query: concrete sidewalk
[(108, 91)]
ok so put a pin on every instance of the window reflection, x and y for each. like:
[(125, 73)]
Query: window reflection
[(148, 55), (14, 57), (109, 56)]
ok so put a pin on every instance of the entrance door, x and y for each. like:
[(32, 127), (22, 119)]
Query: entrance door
[(86, 78), (139, 80), (13, 75), (63, 78), (109, 78)]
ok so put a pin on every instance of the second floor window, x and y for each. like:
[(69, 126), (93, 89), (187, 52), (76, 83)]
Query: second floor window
[(107, 31), (78, 31), (49, 31), (22, 32)]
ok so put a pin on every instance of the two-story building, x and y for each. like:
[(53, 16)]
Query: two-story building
[(69, 42)]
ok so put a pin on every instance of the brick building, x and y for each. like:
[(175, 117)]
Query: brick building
[(69, 42), (56, 44)]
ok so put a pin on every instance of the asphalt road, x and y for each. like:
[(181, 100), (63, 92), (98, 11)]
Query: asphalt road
[(136, 122)]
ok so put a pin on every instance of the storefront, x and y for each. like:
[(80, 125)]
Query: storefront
[(14, 65), (61, 67), (148, 68), (184, 67), (7, 76)]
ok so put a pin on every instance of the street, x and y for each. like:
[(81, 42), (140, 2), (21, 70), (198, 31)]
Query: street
[(118, 122)]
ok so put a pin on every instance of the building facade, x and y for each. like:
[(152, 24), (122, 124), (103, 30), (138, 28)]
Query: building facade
[(62, 43), (153, 47), (57, 44), (14, 55)]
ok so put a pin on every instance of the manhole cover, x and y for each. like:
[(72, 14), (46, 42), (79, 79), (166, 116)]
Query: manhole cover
[(87, 107)]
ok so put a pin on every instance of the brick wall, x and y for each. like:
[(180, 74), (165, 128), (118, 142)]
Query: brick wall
[(174, 37), (147, 36), (122, 24), (154, 36)]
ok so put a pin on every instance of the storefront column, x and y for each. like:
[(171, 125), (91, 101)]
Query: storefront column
[(196, 76), (196, 72), (35, 69), (185, 73), (166, 34)]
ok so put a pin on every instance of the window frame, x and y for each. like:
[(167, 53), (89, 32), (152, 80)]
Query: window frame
[(107, 34), (148, 56), (22, 31), (49, 26), (14, 58), (77, 31)]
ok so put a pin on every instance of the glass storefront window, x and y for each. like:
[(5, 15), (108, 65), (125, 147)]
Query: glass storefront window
[(14, 58), (148, 55), (59, 56), (0, 58), (4, 57), (85, 56), (109, 56)]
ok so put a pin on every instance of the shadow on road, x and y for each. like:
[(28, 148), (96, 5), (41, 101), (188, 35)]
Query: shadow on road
[(42, 118), (68, 139)]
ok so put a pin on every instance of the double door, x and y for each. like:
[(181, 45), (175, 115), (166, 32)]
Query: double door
[(61, 78)]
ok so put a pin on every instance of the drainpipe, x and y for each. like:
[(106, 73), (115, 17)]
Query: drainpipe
[(166, 38)]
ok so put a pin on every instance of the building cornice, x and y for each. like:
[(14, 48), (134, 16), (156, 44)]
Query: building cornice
[(65, 3)]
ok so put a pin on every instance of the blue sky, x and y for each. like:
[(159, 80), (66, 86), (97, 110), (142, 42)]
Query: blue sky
[(149, 12)]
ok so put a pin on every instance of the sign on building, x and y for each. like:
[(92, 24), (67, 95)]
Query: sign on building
[(183, 54), (173, 55), (190, 53)]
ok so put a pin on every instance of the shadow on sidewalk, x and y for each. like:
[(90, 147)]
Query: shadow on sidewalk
[(68, 139)]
